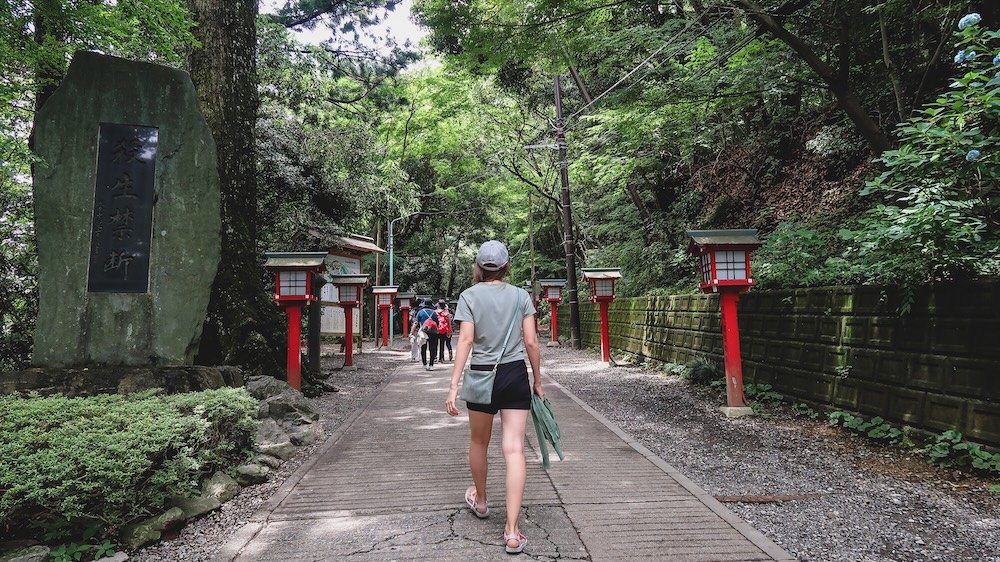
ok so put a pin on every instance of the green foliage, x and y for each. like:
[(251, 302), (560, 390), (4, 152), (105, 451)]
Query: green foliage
[(948, 449), (70, 463), (703, 371), (803, 409), (938, 207), (796, 255), (18, 289), (876, 428), (69, 552), (762, 393)]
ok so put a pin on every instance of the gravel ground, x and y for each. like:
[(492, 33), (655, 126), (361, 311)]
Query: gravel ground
[(200, 540), (872, 503)]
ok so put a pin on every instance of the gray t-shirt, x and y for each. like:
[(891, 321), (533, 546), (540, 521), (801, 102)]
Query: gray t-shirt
[(489, 307)]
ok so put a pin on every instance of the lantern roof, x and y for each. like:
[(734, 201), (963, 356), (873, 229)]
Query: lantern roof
[(379, 289), (601, 272), (552, 282), (357, 243), (294, 260), (733, 237), (349, 279), (406, 294)]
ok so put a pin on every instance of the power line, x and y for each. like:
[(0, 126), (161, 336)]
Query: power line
[(645, 61)]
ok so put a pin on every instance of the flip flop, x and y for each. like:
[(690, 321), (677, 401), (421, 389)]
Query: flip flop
[(470, 498), (517, 537)]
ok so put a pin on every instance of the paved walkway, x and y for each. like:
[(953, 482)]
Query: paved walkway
[(389, 485)]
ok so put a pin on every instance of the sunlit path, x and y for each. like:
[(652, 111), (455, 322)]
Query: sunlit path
[(389, 486)]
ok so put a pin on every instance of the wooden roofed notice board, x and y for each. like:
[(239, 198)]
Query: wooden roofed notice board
[(344, 259)]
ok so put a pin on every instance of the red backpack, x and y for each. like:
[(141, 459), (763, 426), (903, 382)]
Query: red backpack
[(444, 322)]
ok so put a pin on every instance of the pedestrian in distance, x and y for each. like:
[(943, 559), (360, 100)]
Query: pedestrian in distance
[(426, 321), (445, 327), (494, 313)]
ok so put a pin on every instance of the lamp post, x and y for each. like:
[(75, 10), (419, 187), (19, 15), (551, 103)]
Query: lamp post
[(384, 295), (724, 265), (552, 292), (602, 291), (349, 291), (405, 304), (293, 273)]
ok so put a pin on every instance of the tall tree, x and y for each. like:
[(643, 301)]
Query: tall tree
[(243, 327)]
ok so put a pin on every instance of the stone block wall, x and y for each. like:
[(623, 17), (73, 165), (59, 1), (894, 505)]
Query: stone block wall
[(935, 368)]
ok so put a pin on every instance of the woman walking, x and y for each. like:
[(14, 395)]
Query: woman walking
[(426, 318), (444, 330), (489, 311)]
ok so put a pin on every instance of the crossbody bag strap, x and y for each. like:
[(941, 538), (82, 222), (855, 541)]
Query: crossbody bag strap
[(510, 329)]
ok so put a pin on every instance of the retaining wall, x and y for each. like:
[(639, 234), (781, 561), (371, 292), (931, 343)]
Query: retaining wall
[(936, 368)]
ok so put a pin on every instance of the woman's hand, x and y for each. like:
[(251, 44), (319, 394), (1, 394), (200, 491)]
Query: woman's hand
[(537, 389), (449, 404)]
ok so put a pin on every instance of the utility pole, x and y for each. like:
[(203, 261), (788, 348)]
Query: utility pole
[(531, 243), (569, 242)]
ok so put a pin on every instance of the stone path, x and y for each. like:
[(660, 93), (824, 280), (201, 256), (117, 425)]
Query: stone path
[(389, 486)]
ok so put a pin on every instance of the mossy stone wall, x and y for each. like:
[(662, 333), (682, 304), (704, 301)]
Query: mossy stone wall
[(935, 368)]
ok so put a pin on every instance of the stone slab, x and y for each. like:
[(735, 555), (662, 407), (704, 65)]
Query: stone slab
[(161, 326)]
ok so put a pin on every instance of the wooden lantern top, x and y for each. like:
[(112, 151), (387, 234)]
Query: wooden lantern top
[(349, 279), (552, 283), (600, 273), (733, 239), (384, 289), (307, 261)]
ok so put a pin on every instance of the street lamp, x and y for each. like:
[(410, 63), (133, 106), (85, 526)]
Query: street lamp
[(724, 265), (349, 291), (293, 272), (552, 292), (602, 291)]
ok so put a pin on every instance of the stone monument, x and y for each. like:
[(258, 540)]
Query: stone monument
[(127, 219)]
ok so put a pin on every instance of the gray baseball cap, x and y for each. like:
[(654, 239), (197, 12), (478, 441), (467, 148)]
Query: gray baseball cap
[(492, 255)]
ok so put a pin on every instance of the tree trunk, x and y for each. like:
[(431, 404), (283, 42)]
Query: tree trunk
[(849, 101), (242, 326), (47, 73)]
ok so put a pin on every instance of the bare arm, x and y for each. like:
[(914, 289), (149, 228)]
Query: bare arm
[(466, 337), (532, 349)]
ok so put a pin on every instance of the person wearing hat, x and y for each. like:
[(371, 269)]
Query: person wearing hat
[(498, 330), (424, 314)]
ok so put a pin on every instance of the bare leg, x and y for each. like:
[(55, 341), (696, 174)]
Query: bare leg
[(513, 423), (481, 429)]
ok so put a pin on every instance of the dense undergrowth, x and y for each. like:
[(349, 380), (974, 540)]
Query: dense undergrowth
[(77, 469)]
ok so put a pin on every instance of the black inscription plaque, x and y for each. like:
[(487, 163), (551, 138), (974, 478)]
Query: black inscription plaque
[(123, 209)]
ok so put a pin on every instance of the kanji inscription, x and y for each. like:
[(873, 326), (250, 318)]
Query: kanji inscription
[(123, 209)]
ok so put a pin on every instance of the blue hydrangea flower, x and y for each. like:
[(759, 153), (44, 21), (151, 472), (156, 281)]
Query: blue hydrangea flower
[(960, 57), (969, 20), (996, 59), (972, 155)]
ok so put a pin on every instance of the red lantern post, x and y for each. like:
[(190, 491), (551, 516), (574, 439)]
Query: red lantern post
[(405, 304), (552, 292), (602, 291), (349, 296), (724, 264), (384, 295), (293, 272)]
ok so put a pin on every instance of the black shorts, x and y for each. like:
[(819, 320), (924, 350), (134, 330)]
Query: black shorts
[(511, 390)]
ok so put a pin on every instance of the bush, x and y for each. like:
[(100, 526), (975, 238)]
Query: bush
[(703, 371), (70, 463), (797, 255), (936, 212)]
